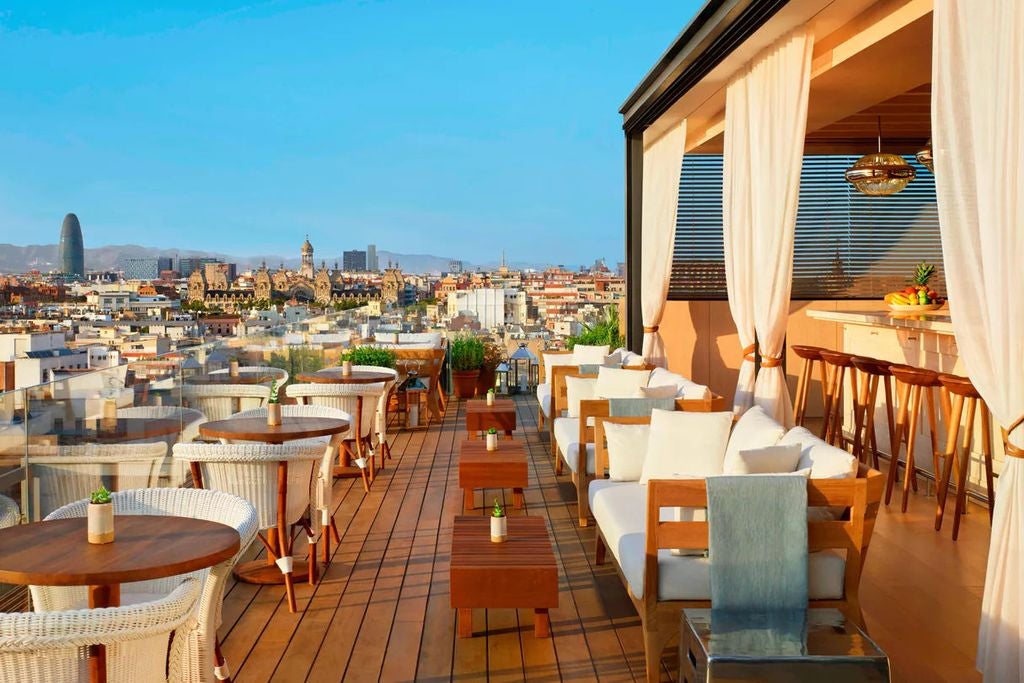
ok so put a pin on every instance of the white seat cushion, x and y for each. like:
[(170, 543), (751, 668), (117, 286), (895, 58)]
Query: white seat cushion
[(544, 398), (755, 429), (598, 485), (620, 512), (567, 436)]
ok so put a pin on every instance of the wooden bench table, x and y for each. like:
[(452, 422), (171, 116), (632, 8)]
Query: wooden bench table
[(480, 417), (504, 468), (519, 573)]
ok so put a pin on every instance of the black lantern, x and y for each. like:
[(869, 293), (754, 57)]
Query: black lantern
[(524, 372)]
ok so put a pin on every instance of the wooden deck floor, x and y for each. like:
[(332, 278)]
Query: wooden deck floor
[(381, 611)]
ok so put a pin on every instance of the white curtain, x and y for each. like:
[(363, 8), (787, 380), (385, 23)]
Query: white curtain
[(978, 145), (663, 161), (765, 122)]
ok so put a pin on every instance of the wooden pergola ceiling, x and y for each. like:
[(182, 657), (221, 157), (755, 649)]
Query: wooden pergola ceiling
[(906, 124)]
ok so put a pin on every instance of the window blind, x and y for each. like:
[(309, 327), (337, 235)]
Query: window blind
[(847, 245)]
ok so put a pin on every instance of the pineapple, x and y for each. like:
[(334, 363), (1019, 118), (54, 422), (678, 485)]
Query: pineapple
[(923, 274)]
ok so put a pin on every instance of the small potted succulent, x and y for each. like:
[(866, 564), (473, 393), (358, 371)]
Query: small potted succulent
[(100, 517), (273, 406), (492, 439), (499, 524), (233, 366), (490, 396)]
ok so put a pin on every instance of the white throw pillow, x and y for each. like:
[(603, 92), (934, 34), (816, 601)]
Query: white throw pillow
[(766, 460), (589, 355), (682, 445), (579, 389), (627, 448), (632, 360), (825, 460), (755, 429), (667, 391), (619, 383), (552, 360), (613, 360)]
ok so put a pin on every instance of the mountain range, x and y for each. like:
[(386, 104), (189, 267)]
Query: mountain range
[(44, 257)]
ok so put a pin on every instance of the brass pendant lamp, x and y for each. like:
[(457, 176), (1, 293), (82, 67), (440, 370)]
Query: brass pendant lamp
[(924, 157), (880, 174)]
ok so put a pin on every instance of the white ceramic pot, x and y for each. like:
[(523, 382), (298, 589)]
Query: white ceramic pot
[(499, 529), (346, 368), (233, 368), (100, 521), (490, 398), (273, 414), (492, 442)]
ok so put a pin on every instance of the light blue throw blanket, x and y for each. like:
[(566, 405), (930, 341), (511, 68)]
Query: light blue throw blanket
[(638, 407), (757, 545)]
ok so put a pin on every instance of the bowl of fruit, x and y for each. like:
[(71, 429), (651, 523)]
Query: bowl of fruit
[(916, 296)]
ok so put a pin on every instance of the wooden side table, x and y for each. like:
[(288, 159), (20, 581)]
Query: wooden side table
[(521, 572), (480, 417), (505, 468)]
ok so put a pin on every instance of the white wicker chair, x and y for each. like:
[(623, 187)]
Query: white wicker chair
[(221, 401), (346, 397), (195, 655), (190, 419), (53, 646), (10, 513), (321, 512), (280, 374), (59, 475), (383, 447), (250, 471)]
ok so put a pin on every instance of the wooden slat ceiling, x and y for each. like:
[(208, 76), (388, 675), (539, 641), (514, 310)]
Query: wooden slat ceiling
[(906, 121)]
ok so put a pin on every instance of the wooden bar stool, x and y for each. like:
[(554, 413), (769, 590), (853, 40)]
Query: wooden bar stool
[(810, 356), (872, 372), (836, 365), (913, 382), (963, 391)]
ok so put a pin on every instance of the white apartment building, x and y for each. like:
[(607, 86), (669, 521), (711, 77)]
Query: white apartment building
[(36, 356), (491, 307)]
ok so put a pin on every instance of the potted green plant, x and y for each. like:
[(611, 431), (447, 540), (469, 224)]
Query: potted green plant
[(273, 406), (100, 517), (492, 439), (499, 524), (493, 355), (368, 355), (467, 357)]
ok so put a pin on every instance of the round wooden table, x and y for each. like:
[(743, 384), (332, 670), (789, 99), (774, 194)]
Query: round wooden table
[(292, 428), (102, 430), (336, 376), (58, 553), (243, 377)]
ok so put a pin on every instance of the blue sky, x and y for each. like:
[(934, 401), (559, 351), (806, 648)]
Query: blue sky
[(451, 128)]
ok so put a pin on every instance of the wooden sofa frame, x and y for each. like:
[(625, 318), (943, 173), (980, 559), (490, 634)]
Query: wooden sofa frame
[(660, 619), (543, 377)]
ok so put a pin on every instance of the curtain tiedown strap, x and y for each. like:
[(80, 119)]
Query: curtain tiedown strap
[(748, 353), (1011, 450), (650, 329), (770, 361)]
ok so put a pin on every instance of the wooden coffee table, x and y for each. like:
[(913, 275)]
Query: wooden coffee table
[(480, 417), (519, 573), (504, 468)]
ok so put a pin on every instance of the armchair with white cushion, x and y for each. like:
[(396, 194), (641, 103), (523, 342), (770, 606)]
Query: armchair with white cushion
[(189, 418), (221, 401)]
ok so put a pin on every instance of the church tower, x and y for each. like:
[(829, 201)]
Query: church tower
[(307, 260)]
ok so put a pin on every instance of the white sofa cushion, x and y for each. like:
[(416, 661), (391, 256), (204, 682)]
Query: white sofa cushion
[(544, 398), (620, 511), (567, 437), (684, 388), (684, 445), (589, 355), (777, 459), (619, 383), (627, 448), (666, 391), (579, 389), (755, 429), (825, 460), (553, 360)]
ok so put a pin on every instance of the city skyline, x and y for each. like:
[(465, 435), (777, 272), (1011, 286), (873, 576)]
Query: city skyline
[(193, 138)]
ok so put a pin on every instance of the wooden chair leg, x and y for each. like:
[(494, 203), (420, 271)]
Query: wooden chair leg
[(599, 550), (334, 530), (965, 464), (986, 450), (861, 396), (929, 394), (325, 546), (221, 670), (915, 410), (827, 398), (798, 402), (895, 439), (890, 409), (313, 573), (947, 466)]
